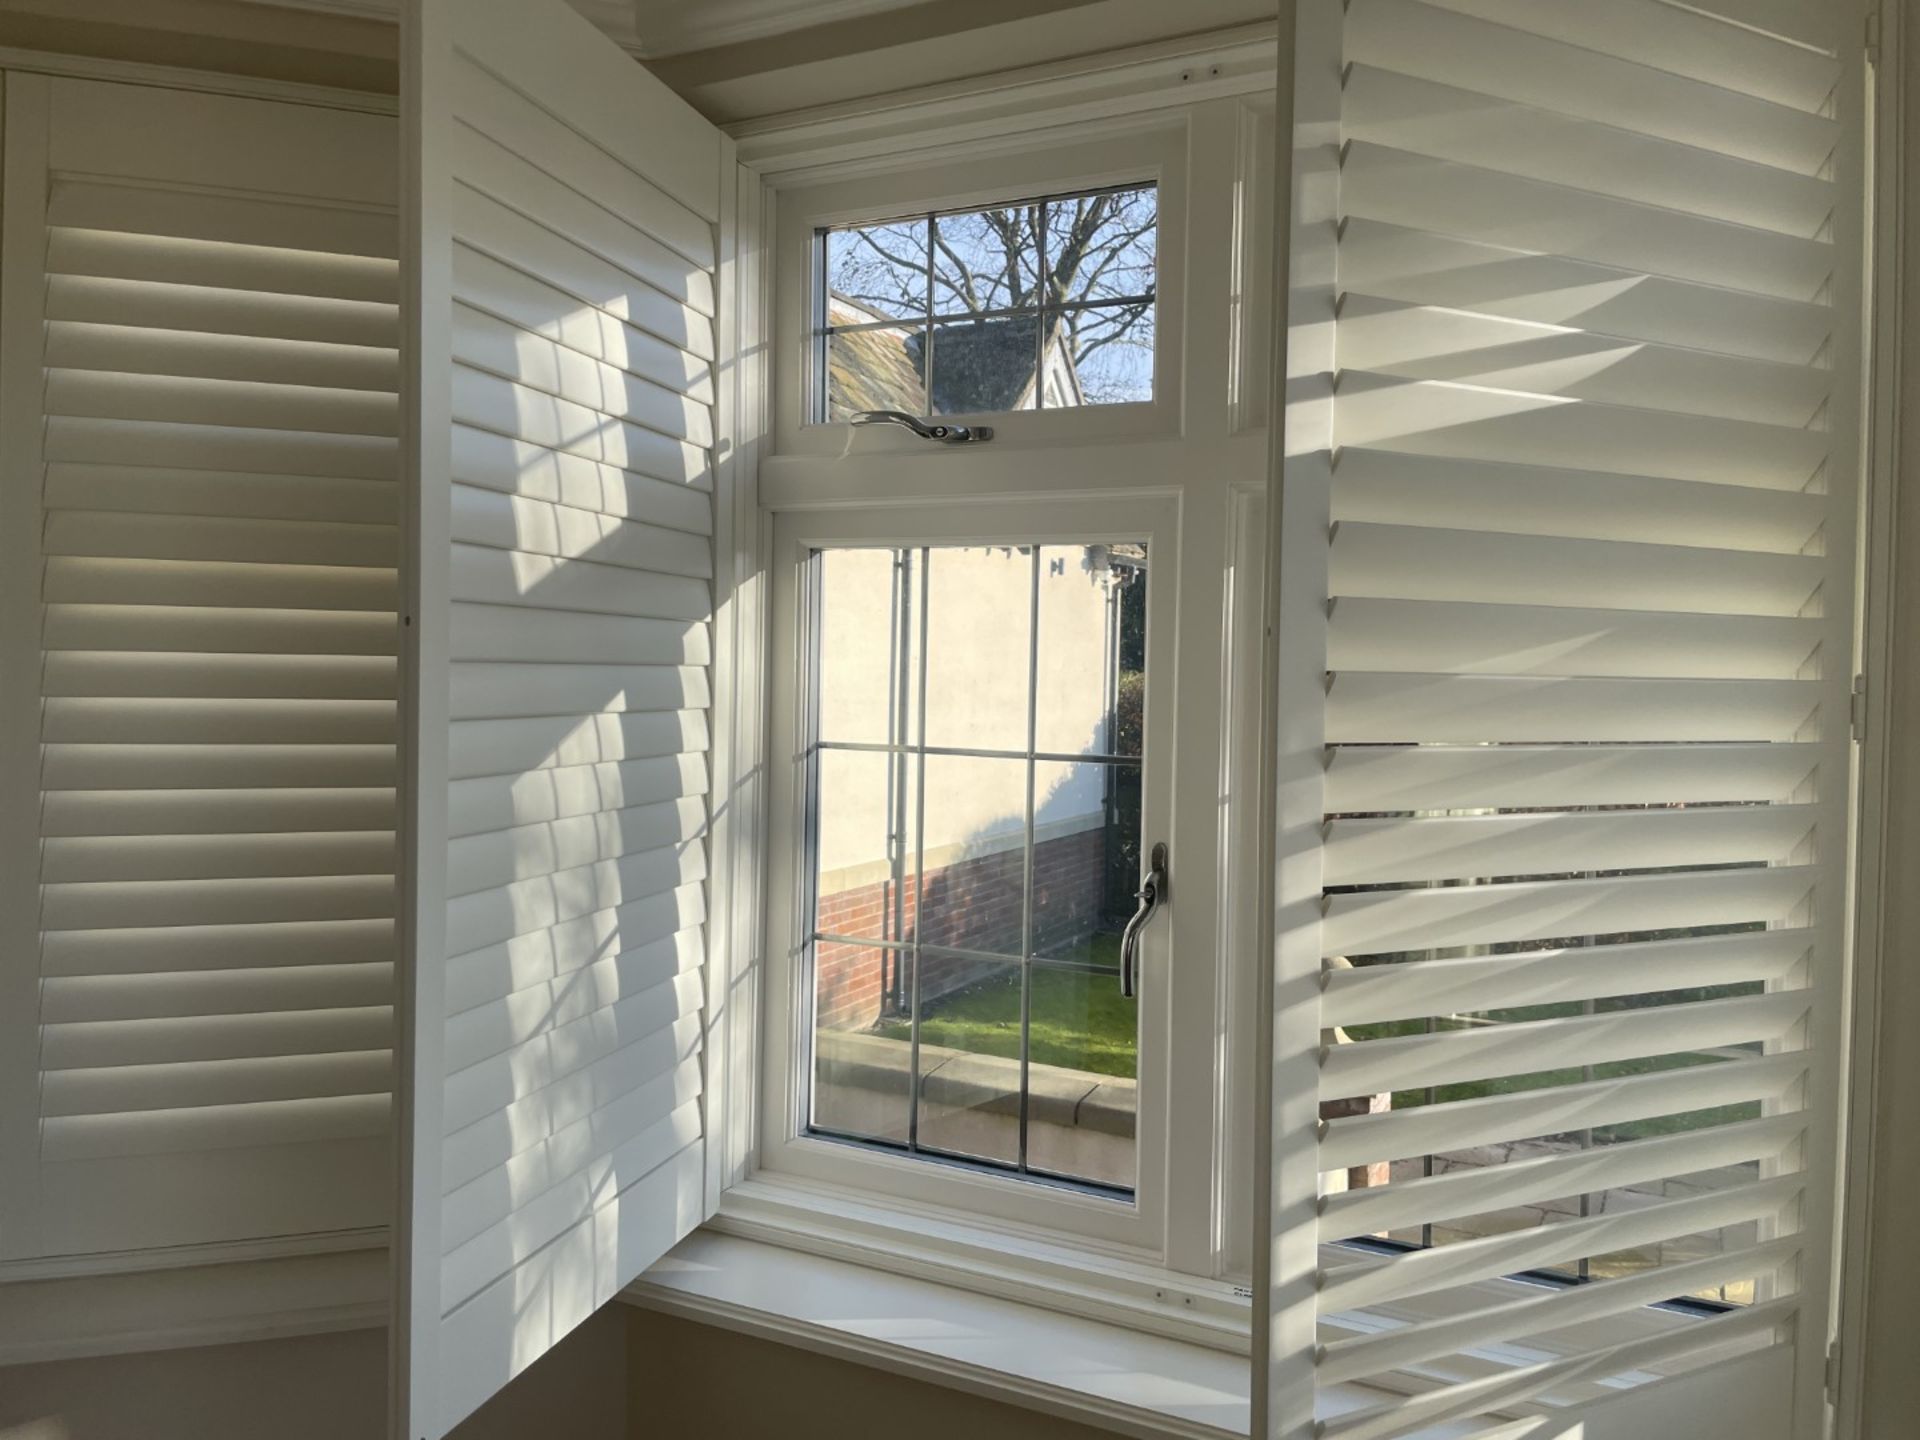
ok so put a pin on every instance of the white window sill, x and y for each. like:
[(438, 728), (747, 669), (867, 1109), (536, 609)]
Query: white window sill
[(1093, 1336), (1094, 1371)]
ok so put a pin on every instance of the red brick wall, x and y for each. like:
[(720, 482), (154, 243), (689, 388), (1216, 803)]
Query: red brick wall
[(972, 905)]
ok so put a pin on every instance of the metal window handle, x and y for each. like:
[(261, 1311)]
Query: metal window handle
[(1152, 891), (925, 429)]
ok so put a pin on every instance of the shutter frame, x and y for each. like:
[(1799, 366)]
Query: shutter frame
[(560, 580), (1496, 702), (189, 281)]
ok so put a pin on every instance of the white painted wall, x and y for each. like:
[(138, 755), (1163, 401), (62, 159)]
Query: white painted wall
[(979, 622)]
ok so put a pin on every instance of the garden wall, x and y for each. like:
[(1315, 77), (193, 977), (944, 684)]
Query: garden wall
[(972, 904)]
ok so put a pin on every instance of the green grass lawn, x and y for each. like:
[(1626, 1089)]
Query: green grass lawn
[(1080, 1021), (1612, 1070)]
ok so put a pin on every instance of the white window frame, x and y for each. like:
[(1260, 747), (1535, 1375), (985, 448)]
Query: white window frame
[(1152, 150), (1198, 450), (786, 1144)]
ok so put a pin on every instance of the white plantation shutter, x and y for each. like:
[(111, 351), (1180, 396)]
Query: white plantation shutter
[(1563, 850), (567, 340), (201, 314)]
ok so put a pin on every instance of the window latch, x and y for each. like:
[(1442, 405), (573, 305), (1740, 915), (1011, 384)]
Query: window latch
[(925, 429), (1152, 891)]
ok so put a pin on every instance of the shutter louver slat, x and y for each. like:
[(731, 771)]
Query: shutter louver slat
[(496, 170), (567, 593), (1506, 282), (112, 440), (1454, 419), (1403, 112), (1428, 563), (219, 679), (219, 992), (516, 467), (505, 967), (1489, 1257), (1361, 852), (1351, 1213), (1438, 42), (217, 812), (155, 305), (138, 950), (217, 1127), (1440, 777), (1430, 1340), (190, 231), (1424, 342), (1567, 835), (1539, 977), (526, 1122), (1515, 1386), (1490, 1119), (124, 1089), (505, 235), (512, 522), (1421, 1061), (492, 1195), (1369, 922), (488, 287), (150, 491), (505, 350), (495, 802)]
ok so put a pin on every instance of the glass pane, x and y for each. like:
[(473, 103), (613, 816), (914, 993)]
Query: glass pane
[(1102, 247), (979, 615), (1083, 1039), (868, 637), (1105, 352), (986, 260), (863, 849), (881, 367), (973, 866), (970, 1057), (929, 867), (1093, 650), (877, 272), (861, 1057), (983, 367), (1086, 859)]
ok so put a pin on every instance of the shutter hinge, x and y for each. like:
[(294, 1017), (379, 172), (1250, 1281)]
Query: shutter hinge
[(1873, 37), (1832, 1372), (1857, 709)]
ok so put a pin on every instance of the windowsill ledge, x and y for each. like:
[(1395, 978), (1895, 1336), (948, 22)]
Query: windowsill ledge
[(957, 1251), (1094, 1371)]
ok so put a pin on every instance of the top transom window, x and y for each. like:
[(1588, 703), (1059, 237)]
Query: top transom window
[(1040, 305)]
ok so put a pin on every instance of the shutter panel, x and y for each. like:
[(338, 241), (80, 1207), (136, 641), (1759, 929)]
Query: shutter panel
[(206, 464), (567, 210), (1562, 851)]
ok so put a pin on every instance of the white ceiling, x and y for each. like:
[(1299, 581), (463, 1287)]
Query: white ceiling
[(742, 60), (669, 27)]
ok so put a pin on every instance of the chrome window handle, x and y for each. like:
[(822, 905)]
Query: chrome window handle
[(925, 429), (1152, 891)]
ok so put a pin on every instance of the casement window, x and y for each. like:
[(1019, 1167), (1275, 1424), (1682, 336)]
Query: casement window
[(989, 710), (973, 864), (1041, 305)]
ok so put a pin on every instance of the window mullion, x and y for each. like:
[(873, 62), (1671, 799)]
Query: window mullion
[(1026, 888), (919, 869)]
